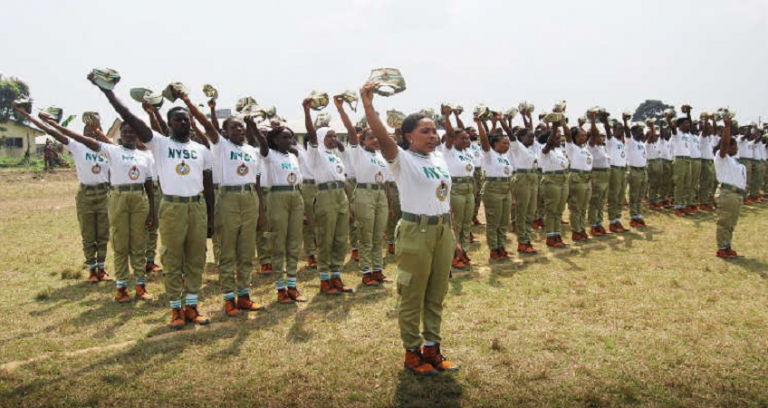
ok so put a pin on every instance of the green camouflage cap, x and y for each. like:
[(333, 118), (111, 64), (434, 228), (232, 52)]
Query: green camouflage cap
[(138, 94), (106, 78), (55, 112), (582, 120), (92, 118), (650, 121), (555, 117), (323, 119), (319, 100), (511, 113), (481, 111), (626, 114), (271, 112), (428, 112), (559, 107), (243, 102), (254, 110), (170, 91), (525, 107), (350, 97), (389, 81), (670, 112), (394, 119), (210, 92), (24, 103)]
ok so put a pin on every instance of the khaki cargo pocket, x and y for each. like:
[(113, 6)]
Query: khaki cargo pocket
[(403, 281), (408, 238)]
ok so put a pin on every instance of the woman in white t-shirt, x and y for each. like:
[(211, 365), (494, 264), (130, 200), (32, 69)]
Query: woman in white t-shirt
[(286, 209), (458, 155), (369, 204), (580, 176), (497, 198), (130, 207), (331, 203), (424, 239), (554, 187), (732, 177)]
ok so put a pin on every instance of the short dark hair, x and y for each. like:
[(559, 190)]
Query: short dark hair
[(173, 111), (275, 132), (680, 121)]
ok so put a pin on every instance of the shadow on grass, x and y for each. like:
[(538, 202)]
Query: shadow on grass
[(440, 391), (751, 265)]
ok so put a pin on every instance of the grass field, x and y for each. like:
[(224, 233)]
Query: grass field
[(647, 318)]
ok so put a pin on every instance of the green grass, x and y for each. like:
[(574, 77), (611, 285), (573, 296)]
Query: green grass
[(644, 319)]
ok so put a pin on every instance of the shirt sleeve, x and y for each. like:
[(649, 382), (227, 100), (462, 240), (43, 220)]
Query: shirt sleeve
[(207, 159), (155, 144), (395, 165), (106, 149)]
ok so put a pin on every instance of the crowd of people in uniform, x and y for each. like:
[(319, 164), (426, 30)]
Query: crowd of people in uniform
[(254, 188)]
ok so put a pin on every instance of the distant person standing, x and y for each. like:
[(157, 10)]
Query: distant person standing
[(48, 155), (732, 177)]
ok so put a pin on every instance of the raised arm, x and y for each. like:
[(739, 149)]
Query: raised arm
[(507, 129), (450, 134), (198, 135), (351, 131), (210, 131), (459, 123), (40, 125), (214, 118), (527, 121), (485, 144), (550, 145), (387, 144), (566, 131), (653, 137), (672, 125), (311, 133), (607, 125), (251, 132), (92, 144), (153, 123), (725, 140), (142, 130), (65, 131), (593, 132)]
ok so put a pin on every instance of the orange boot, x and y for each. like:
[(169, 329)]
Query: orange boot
[(177, 318), (231, 309), (191, 315), (326, 288), (379, 276), (122, 296), (369, 280), (142, 294), (245, 303), (340, 286), (93, 276), (433, 357), (312, 262), (414, 362), (103, 275), (153, 268), (283, 298), (391, 248), (295, 295), (266, 269)]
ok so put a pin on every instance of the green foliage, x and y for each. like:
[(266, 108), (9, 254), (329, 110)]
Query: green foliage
[(11, 89), (651, 108)]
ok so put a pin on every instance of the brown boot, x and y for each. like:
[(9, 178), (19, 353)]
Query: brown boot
[(266, 269), (283, 298), (230, 308), (379, 276), (311, 262), (391, 249), (191, 315), (326, 288), (414, 362), (122, 296), (369, 280), (339, 285), (245, 303), (295, 295), (142, 294), (93, 276), (153, 268), (354, 255), (103, 275), (433, 357), (177, 318)]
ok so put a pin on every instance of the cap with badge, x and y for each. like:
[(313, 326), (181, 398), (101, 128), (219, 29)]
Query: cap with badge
[(323, 119), (210, 92), (92, 118), (526, 107), (389, 81), (482, 112), (395, 118), (510, 113), (55, 112), (171, 92), (143, 94), (319, 100), (105, 78), (559, 107), (350, 97)]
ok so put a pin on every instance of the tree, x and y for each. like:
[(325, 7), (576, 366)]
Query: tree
[(11, 89), (651, 108)]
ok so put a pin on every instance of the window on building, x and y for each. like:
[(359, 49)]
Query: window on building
[(14, 142)]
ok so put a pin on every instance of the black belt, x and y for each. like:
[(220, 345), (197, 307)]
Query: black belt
[(177, 199), (284, 188), (100, 186), (601, 169), (239, 189), (732, 188), (555, 172), (683, 157), (618, 167), (371, 186), (457, 180), (308, 181), (523, 171), (331, 185), (497, 178), (392, 184), (428, 219), (581, 171), (128, 187), (637, 168)]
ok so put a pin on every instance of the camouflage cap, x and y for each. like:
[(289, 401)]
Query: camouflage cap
[(92, 118), (559, 107), (55, 112), (350, 97), (243, 102), (323, 119), (389, 81), (210, 92), (510, 113), (106, 78), (394, 119), (171, 91), (319, 100)]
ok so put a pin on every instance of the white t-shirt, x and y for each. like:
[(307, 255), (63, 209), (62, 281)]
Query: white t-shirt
[(746, 148), (729, 171), (695, 147), (304, 167), (523, 158), (600, 158), (461, 163), (370, 167), (128, 166), (180, 165), (326, 165), (555, 160), (346, 159), (282, 169), (579, 156), (238, 165), (758, 151), (496, 165), (617, 152), (477, 157), (263, 179), (92, 167), (637, 153), (423, 182), (706, 146), (653, 150), (681, 144)]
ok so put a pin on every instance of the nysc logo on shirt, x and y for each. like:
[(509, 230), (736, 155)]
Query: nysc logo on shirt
[(435, 173), (94, 157), (240, 156), (128, 158), (287, 166), (181, 154)]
